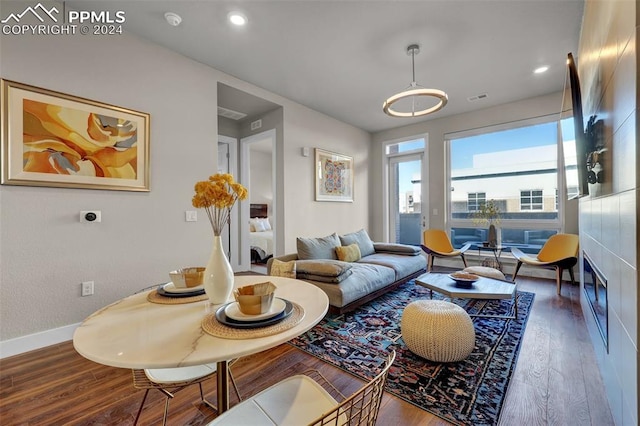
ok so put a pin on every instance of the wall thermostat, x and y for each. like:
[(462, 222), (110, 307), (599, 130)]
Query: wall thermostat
[(90, 216)]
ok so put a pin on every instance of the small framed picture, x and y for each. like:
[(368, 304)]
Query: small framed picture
[(54, 139), (334, 176)]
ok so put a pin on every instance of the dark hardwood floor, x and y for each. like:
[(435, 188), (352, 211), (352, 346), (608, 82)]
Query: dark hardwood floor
[(556, 381)]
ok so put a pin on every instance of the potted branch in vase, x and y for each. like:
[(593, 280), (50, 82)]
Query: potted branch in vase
[(489, 214)]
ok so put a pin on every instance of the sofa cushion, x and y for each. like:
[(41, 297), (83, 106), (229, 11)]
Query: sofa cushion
[(397, 249), (401, 264), (350, 253), (318, 248), (324, 268), (362, 239), (324, 278), (326, 271), (363, 280)]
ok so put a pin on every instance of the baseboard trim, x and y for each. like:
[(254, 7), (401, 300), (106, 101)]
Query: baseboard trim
[(30, 342)]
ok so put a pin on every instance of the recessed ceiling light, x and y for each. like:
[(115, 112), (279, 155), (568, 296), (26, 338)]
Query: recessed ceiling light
[(540, 70), (237, 18)]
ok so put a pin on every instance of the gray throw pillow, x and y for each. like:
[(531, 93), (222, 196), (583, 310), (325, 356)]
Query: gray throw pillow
[(362, 239), (395, 248), (318, 248), (324, 279), (324, 267)]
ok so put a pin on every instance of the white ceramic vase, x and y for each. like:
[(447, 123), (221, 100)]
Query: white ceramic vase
[(218, 275)]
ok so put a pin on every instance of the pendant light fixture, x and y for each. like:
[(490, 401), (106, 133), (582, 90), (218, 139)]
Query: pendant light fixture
[(414, 94)]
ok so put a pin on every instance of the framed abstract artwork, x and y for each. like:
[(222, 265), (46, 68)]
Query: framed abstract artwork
[(54, 139), (334, 176)]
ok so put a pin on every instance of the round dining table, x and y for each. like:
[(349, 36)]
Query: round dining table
[(138, 334)]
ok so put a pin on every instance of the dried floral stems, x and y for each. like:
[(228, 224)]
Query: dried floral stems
[(217, 197)]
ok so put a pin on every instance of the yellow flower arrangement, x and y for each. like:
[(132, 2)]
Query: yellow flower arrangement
[(217, 197)]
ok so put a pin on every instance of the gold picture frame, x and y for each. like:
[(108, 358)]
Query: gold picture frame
[(334, 176), (59, 140)]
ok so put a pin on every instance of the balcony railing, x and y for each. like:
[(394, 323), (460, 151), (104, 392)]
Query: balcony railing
[(528, 240)]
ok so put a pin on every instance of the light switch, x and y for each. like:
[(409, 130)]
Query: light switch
[(191, 216)]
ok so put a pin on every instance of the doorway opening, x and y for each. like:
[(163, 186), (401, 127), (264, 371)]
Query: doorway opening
[(258, 217), (406, 189)]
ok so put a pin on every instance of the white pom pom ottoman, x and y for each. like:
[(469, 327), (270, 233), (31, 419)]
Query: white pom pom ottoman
[(437, 330)]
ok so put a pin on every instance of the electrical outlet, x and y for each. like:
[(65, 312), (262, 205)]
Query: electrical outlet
[(87, 288), (191, 216)]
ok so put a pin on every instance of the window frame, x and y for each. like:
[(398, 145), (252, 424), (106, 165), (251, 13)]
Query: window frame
[(531, 203), (479, 201), (556, 223)]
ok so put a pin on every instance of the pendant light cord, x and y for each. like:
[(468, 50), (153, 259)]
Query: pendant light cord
[(413, 67)]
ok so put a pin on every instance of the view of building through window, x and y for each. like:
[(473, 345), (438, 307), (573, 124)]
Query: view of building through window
[(518, 170), (408, 176)]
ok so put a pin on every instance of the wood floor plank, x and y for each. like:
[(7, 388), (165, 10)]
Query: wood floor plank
[(522, 407), (556, 380)]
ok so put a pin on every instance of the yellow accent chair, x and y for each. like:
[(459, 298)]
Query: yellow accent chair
[(560, 252), (436, 243)]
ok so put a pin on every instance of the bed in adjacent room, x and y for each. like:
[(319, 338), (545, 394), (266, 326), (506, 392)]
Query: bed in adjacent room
[(261, 234)]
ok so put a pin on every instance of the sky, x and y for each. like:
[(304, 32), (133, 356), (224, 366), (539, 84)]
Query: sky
[(463, 149)]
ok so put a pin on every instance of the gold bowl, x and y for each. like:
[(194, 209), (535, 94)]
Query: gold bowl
[(255, 299), (187, 277)]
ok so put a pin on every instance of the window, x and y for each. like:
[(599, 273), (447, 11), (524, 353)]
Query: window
[(475, 200), (531, 199), (400, 147), (501, 166)]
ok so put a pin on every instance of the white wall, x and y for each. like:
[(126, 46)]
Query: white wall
[(45, 252), (261, 175), (306, 217)]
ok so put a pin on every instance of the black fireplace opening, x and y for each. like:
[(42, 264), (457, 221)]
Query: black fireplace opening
[(595, 289)]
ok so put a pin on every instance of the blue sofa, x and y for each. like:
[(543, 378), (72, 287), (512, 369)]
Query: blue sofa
[(381, 268)]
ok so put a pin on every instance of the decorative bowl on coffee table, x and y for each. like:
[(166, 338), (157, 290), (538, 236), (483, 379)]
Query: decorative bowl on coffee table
[(464, 279)]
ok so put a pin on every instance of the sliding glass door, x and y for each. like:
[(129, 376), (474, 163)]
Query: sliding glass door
[(405, 195)]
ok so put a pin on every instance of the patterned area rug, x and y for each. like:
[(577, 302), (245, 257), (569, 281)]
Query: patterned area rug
[(469, 392)]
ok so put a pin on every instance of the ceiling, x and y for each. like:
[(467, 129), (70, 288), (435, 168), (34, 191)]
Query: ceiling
[(344, 58)]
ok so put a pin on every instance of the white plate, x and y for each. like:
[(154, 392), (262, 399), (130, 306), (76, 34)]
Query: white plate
[(171, 288), (233, 311)]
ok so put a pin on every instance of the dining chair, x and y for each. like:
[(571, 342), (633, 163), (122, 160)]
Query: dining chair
[(171, 380), (436, 243), (302, 400), (560, 252)]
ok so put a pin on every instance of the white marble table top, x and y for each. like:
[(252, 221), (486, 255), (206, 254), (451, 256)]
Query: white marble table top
[(134, 333), (484, 288)]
